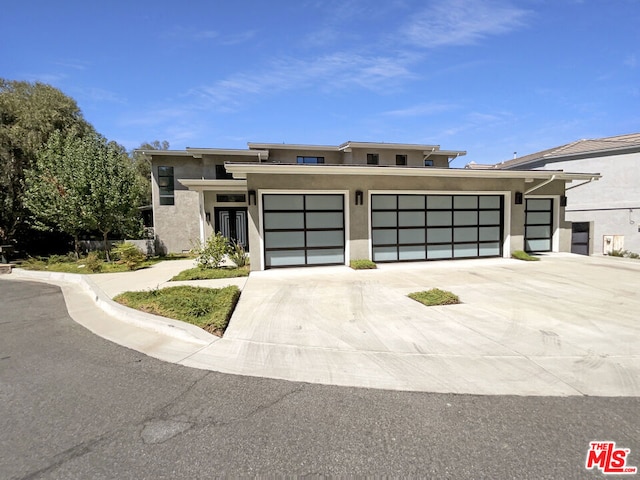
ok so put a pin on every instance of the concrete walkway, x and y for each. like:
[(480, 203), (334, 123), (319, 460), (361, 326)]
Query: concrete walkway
[(566, 325)]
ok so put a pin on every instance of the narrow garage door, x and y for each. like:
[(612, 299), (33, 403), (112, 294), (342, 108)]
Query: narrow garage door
[(434, 227), (538, 224), (301, 230)]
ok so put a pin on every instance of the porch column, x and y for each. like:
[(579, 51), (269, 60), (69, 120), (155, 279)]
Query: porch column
[(202, 216)]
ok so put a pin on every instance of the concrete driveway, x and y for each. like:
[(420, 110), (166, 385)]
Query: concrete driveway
[(567, 325)]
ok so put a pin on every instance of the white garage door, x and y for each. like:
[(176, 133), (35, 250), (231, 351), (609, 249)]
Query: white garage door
[(435, 227), (303, 229)]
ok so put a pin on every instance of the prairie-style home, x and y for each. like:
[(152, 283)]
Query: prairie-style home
[(305, 205)]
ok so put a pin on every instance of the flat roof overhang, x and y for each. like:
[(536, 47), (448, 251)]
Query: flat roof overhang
[(241, 170), (202, 185), (199, 152)]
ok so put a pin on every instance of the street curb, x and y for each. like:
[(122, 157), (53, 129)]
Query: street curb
[(162, 325)]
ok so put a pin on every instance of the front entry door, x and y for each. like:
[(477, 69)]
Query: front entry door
[(233, 224)]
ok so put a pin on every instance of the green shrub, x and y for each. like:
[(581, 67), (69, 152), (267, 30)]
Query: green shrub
[(237, 254), (616, 253), (522, 255), (129, 254), (362, 264), (212, 253), (435, 296), (93, 262), (68, 258), (198, 273)]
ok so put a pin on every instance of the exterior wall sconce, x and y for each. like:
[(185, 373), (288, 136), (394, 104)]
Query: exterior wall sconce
[(518, 199), (208, 216), (563, 201), (252, 197), (359, 197)]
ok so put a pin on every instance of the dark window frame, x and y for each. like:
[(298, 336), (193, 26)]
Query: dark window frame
[(428, 162), (373, 158), (227, 198), (401, 160), (166, 193), (306, 160)]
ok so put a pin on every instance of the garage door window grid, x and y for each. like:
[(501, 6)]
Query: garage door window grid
[(408, 227), (538, 224), (304, 229)]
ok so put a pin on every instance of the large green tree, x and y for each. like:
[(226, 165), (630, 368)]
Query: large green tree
[(29, 114), (84, 184)]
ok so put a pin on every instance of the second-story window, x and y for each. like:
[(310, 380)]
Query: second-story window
[(311, 160), (401, 160), (165, 185), (372, 159), (222, 174), (428, 163)]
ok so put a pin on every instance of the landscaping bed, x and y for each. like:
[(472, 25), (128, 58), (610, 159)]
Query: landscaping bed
[(207, 308), (198, 273)]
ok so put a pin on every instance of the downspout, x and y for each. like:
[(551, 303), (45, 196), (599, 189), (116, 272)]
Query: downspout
[(540, 185)]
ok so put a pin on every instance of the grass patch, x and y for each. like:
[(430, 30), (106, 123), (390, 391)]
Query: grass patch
[(80, 266), (435, 296), (363, 264), (207, 308), (211, 273), (522, 255)]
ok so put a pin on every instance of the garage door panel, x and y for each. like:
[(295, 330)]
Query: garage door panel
[(283, 202), (325, 256), (412, 252), (538, 218), (538, 224), (325, 219), (284, 239), (456, 226), (284, 258), (384, 202), (325, 238), (303, 229), (282, 220)]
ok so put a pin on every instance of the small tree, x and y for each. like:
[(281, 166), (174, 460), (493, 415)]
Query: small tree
[(83, 184)]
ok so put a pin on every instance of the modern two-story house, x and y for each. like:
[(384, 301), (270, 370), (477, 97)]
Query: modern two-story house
[(306, 205)]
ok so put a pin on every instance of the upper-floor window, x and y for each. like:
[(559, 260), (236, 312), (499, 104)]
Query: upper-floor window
[(222, 174), (428, 163), (165, 185), (372, 159), (310, 159), (401, 160)]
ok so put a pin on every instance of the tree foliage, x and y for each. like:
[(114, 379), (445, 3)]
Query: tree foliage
[(83, 184), (29, 114)]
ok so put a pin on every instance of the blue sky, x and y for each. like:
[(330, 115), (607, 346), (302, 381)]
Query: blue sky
[(489, 77)]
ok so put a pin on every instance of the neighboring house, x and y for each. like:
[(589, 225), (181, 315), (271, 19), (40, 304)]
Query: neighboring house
[(303, 205), (605, 214)]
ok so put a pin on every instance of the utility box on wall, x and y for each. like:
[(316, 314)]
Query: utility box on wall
[(611, 243)]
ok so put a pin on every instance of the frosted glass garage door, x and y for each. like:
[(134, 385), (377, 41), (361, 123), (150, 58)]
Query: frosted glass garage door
[(435, 227), (303, 230), (538, 224)]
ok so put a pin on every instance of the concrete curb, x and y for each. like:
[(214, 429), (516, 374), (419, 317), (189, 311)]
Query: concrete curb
[(164, 326)]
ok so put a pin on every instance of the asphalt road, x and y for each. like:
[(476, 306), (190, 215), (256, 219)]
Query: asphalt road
[(75, 406)]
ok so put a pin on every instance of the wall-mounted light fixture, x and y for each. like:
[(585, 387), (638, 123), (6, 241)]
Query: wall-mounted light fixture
[(208, 216), (518, 199), (563, 201), (252, 197), (359, 197)]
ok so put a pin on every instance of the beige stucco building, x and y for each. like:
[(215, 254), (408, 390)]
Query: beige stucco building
[(305, 205)]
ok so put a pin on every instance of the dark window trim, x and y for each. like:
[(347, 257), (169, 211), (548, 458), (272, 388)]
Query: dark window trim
[(373, 159), (428, 163), (401, 160), (550, 211), (166, 194), (303, 159)]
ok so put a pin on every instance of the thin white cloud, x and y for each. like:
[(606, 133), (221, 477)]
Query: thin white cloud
[(422, 110), (462, 22), (49, 78), (338, 70)]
